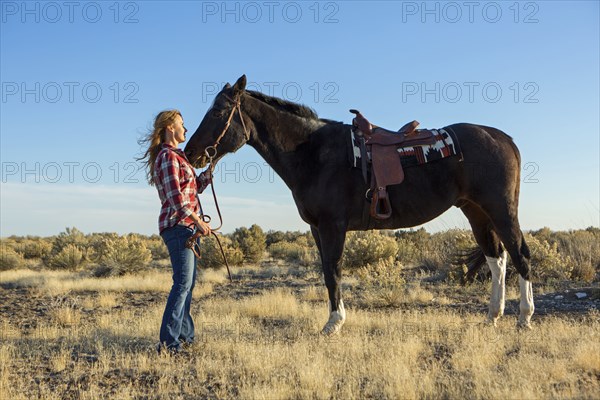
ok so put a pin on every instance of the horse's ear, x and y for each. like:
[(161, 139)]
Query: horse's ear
[(227, 86), (240, 85)]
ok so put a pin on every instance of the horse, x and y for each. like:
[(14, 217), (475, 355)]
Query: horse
[(310, 155)]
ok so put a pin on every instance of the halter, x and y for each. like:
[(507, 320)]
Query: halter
[(213, 149)]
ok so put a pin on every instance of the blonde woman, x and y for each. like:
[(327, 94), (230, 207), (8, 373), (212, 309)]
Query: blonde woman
[(170, 171)]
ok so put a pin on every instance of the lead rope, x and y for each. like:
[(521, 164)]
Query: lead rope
[(192, 242)]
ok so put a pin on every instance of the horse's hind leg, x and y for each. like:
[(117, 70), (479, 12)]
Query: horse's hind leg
[(507, 227), (496, 257)]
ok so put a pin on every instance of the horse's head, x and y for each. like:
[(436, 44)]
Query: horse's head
[(222, 129)]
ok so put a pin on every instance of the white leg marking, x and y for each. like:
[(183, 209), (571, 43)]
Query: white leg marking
[(498, 269), (526, 306), (336, 320)]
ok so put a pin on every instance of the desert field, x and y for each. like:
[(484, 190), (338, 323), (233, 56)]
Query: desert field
[(66, 335)]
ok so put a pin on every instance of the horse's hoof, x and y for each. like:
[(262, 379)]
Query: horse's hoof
[(524, 326), (491, 321), (332, 328)]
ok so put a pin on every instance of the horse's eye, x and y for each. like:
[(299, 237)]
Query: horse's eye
[(218, 113)]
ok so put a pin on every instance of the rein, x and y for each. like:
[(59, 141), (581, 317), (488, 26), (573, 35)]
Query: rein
[(211, 152)]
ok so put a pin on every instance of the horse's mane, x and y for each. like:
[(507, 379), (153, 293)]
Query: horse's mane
[(285, 105)]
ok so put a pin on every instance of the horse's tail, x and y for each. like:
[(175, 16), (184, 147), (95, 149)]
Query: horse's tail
[(474, 259)]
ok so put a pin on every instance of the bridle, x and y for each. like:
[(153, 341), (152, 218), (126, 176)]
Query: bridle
[(213, 148), (211, 152)]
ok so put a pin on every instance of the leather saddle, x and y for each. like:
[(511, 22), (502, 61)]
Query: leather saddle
[(386, 168)]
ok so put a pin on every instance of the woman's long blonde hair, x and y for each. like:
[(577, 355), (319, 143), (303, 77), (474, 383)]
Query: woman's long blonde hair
[(154, 139)]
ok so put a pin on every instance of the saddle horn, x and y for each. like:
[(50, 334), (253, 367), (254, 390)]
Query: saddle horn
[(361, 123)]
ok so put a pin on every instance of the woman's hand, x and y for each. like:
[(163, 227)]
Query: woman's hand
[(206, 175), (203, 180), (203, 227)]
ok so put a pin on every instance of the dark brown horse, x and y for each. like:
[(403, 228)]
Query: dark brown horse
[(310, 155)]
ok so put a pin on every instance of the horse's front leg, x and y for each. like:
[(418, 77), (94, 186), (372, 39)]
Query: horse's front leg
[(330, 241)]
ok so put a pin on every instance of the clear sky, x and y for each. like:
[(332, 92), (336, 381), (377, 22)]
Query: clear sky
[(81, 82)]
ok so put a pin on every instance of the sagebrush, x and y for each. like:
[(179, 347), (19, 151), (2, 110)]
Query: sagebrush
[(556, 255)]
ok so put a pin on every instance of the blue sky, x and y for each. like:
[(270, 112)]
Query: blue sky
[(82, 81)]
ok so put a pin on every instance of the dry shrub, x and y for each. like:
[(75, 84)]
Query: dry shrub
[(71, 236), (210, 254), (70, 250), (10, 259), (544, 234), (436, 252), (382, 282), (122, 255), (297, 251), (383, 272), (251, 241), (285, 250), (158, 248), (582, 247), (9, 243), (368, 247), (413, 246), (273, 236), (69, 257), (444, 246), (32, 249), (547, 263)]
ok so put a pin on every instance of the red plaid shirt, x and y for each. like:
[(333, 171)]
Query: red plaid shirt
[(177, 187)]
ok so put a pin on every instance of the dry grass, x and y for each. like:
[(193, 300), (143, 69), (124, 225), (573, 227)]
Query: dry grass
[(263, 343), (58, 282), (65, 316), (314, 293)]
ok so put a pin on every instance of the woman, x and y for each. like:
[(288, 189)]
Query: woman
[(170, 171)]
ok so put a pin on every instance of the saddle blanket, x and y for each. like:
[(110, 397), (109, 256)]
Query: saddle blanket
[(446, 145)]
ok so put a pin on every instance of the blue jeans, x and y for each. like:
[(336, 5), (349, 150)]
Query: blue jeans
[(177, 324)]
